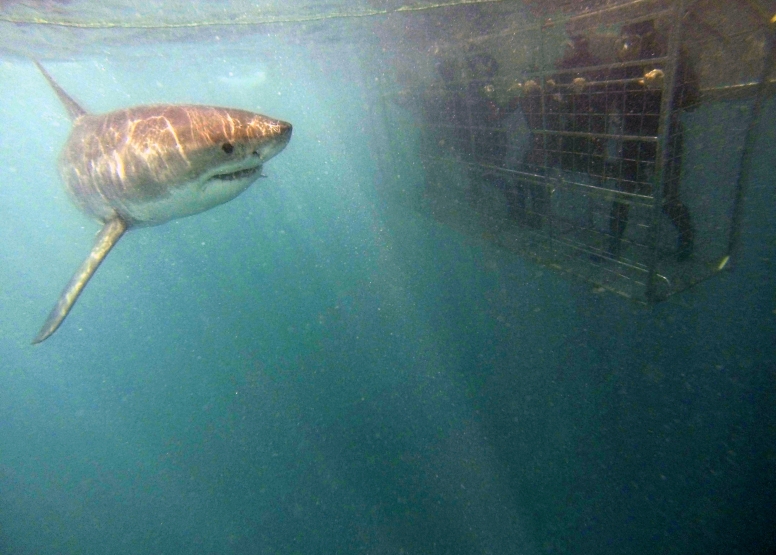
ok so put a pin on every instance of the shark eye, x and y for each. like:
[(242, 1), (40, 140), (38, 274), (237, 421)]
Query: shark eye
[(227, 147)]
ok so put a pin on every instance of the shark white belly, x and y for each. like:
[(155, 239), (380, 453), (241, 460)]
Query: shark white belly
[(147, 165)]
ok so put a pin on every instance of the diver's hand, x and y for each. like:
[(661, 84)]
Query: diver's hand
[(531, 86), (653, 79), (515, 88)]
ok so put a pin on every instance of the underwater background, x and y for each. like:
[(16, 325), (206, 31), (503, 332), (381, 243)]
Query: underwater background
[(312, 368)]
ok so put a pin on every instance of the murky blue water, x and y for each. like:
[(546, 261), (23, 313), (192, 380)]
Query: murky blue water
[(311, 369)]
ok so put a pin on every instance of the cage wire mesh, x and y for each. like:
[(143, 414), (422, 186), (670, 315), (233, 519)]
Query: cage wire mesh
[(566, 139)]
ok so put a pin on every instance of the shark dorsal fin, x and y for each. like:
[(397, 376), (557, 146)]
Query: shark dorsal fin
[(74, 110)]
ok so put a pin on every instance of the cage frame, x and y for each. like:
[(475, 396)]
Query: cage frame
[(652, 284)]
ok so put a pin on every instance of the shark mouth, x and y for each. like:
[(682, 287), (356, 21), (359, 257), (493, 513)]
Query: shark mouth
[(239, 174)]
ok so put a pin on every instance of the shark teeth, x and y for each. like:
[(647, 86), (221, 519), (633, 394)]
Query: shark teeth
[(239, 174)]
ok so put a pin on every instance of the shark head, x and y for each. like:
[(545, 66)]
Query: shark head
[(224, 144), (152, 164)]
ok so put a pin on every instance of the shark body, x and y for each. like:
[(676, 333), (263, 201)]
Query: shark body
[(147, 165)]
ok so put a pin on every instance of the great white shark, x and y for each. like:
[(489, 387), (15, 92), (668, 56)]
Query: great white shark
[(147, 165)]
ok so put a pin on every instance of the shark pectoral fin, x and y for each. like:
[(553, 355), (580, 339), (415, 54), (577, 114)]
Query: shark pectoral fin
[(108, 236)]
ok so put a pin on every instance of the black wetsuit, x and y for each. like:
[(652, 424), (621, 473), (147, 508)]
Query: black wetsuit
[(541, 113), (445, 111), (584, 112), (639, 108)]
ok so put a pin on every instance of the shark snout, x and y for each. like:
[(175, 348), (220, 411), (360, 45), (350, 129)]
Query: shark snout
[(276, 142), (285, 133)]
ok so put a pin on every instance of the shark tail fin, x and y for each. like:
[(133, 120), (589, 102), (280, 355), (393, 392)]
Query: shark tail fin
[(106, 239), (74, 110)]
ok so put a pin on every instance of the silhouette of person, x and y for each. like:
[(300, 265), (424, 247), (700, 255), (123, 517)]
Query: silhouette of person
[(584, 106), (637, 107)]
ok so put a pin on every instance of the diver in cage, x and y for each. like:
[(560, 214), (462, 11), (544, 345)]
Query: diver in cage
[(541, 109), (442, 111), (504, 142), (487, 140), (487, 135), (584, 106), (633, 109), (444, 108)]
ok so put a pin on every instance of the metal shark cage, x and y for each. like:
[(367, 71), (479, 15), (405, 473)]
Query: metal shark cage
[(586, 154)]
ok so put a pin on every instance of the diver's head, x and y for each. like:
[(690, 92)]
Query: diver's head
[(483, 67), (628, 48), (633, 37), (641, 28), (578, 43)]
